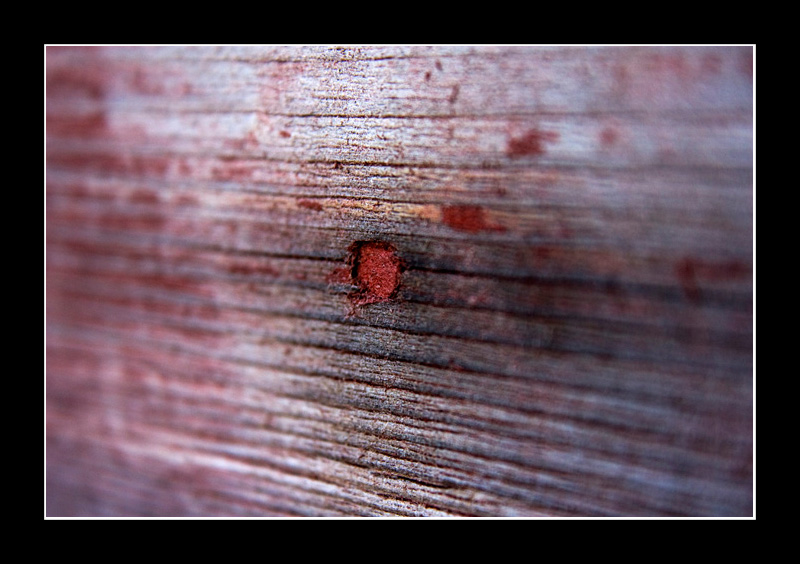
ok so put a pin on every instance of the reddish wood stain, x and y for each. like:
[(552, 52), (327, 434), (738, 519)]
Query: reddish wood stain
[(144, 197), (250, 269), (233, 172), (608, 136), (532, 143), (691, 271), (543, 252), (471, 219), (127, 165), (746, 64), (76, 83), (341, 275), (310, 204), (186, 200), (684, 270), (143, 83), (712, 63), (454, 94), (83, 126), (666, 63)]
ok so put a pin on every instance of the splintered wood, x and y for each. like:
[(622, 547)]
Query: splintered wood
[(399, 281)]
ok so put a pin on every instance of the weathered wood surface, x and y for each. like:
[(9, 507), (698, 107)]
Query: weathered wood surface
[(557, 321)]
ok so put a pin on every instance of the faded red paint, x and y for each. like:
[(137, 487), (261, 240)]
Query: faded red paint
[(454, 94), (471, 219), (341, 275), (76, 82), (532, 143), (125, 165), (543, 252), (83, 126), (233, 171), (285, 134), (144, 83), (609, 136), (144, 197), (712, 63), (690, 271), (186, 200), (250, 269), (746, 64), (670, 62), (310, 205)]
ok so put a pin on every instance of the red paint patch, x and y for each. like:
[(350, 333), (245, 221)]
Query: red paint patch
[(375, 269), (471, 219), (532, 143), (285, 134), (310, 204)]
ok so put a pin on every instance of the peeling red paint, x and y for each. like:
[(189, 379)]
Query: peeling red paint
[(374, 268), (471, 219), (532, 143)]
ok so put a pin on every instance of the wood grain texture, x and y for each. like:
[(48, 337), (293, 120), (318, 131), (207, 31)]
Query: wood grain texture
[(556, 319)]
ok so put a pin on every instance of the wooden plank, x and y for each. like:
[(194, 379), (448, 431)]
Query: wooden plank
[(399, 281)]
